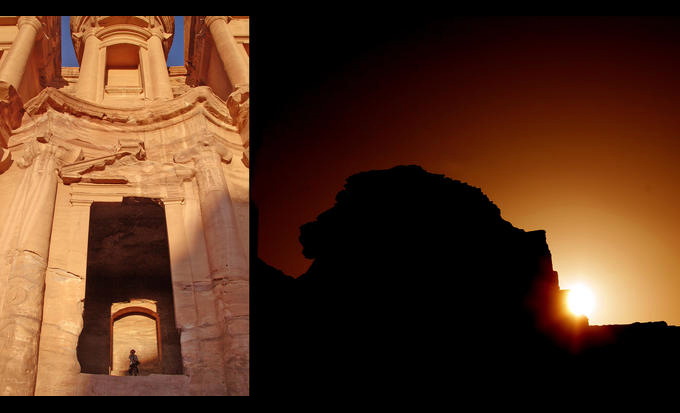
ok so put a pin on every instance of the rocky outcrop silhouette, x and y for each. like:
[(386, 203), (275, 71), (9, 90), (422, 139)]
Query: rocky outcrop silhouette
[(418, 285), (412, 270)]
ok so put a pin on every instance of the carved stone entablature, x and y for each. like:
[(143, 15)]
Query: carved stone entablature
[(165, 128), (87, 170), (199, 97), (125, 168)]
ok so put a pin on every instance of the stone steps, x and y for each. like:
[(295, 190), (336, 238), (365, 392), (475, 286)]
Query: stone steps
[(152, 385)]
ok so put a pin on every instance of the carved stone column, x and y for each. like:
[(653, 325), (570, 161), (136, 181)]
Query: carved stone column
[(62, 323), (227, 259), (21, 314), (11, 72), (228, 49), (88, 81), (159, 68), (238, 73), (225, 251), (14, 65)]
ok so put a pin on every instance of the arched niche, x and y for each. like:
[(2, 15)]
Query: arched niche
[(135, 327)]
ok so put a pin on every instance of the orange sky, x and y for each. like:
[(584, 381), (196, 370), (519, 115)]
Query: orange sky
[(571, 125)]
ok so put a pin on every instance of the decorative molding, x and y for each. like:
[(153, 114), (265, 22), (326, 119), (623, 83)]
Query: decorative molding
[(43, 147), (238, 104), (125, 168), (151, 113), (209, 20), (206, 143), (81, 202)]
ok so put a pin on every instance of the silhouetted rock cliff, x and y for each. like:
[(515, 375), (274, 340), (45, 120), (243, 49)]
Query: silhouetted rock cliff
[(403, 236), (641, 355), (419, 287), (414, 274)]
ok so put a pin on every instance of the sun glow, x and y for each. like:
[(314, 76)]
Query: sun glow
[(581, 300)]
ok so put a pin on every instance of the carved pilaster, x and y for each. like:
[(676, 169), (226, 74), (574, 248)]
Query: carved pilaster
[(64, 295), (227, 259), (161, 88), (31, 215), (216, 206), (88, 83)]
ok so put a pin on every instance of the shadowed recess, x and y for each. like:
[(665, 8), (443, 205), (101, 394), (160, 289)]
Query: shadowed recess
[(128, 260)]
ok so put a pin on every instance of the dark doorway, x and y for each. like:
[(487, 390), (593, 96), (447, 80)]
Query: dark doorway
[(127, 261)]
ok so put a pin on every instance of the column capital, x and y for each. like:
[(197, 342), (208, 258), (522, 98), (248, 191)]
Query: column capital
[(63, 155), (87, 33), (205, 144), (209, 20), (76, 202), (177, 200), (157, 31), (31, 21)]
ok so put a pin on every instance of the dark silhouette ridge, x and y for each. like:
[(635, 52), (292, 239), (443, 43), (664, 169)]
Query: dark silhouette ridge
[(418, 285)]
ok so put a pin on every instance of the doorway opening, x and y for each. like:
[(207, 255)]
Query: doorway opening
[(128, 291)]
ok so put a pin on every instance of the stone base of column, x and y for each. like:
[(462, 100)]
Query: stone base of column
[(20, 324)]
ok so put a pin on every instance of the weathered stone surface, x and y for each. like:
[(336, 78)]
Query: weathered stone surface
[(152, 385)]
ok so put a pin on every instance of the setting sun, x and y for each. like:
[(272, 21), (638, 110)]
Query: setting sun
[(581, 300)]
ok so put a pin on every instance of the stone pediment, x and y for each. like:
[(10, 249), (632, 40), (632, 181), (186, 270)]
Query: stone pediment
[(124, 168)]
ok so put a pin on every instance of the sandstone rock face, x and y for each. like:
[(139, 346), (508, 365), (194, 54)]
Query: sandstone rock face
[(125, 209)]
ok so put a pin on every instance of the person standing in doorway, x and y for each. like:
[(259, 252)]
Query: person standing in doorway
[(134, 362)]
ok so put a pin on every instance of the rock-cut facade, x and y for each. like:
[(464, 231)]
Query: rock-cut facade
[(124, 218)]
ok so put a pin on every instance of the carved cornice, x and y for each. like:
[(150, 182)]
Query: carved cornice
[(51, 98)]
